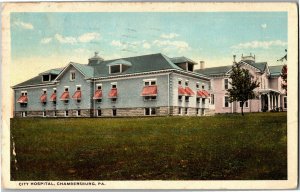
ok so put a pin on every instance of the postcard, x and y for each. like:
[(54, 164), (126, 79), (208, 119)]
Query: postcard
[(149, 95)]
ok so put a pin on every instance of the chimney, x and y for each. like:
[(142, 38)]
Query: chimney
[(202, 64), (234, 56)]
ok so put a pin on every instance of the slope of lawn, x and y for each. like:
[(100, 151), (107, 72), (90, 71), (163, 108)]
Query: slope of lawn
[(165, 148)]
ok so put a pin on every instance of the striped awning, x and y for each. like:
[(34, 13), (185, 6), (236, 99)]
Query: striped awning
[(65, 96), (77, 95), (53, 97), (113, 93), (149, 90), (189, 92), (43, 98), (23, 99), (202, 93), (181, 91), (98, 94)]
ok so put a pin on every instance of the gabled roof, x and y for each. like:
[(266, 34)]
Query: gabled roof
[(222, 70), (139, 64), (55, 71), (261, 66), (87, 71), (182, 60), (33, 81), (275, 70)]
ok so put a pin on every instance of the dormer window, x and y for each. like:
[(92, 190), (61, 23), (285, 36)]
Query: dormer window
[(46, 78), (115, 69), (72, 75)]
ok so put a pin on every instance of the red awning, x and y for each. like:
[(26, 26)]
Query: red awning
[(205, 93), (181, 91), (53, 97), (202, 93), (113, 93), (149, 90), (98, 94), (77, 95), (189, 92), (43, 98), (23, 99), (65, 96)]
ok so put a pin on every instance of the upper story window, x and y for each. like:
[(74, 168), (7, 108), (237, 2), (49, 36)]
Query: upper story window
[(66, 89), (72, 75), (78, 87), (149, 82), (226, 84), (186, 83), (197, 85), (54, 90), (203, 86), (99, 86), (179, 82), (113, 85), (24, 93), (44, 91), (115, 69)]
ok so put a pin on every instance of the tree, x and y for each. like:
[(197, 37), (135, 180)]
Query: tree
[(284, 72), (242, 85)]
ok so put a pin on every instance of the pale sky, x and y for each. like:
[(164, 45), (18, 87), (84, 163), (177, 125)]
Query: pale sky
[(41, 41)]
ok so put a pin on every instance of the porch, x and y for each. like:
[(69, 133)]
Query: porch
[(270, 100)]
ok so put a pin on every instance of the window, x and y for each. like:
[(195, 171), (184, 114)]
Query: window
[(54, 90), (23, 104), (212, 99), (203, 101), (99, 112), (179, 111), (179, 82), (66, 113), (150, 111), (186, 111), (66, 89), (186, 83), (113, 85), (44, 91), (180, 97), (203, 86), (72, 75), (115, 69), (284, 102), (52, 77), (78, 87), (226, 84), (197, 85), (198, 100), (226, 101), (23, 93), (98, 100), (114, 112), (78, 113), (78, 100), (149, 98), (99, 86), (66, 101), (24, 114), (149, 82), (113, 99), (54, 102), (245, 104), (187, 99), (46, 78), (44, 113), (198, 111), (54, 114)]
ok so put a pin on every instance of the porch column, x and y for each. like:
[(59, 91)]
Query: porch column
[(276, 101), (269, 103), (279, 98), (259, 103)]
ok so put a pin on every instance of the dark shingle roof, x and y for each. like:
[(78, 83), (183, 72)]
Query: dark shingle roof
[(275, 70), (214, 70), (260, 65), (33, 81), (182, 60), (139, 64), (55, 71)]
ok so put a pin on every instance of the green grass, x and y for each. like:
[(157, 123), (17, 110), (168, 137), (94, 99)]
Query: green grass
[(222, 147)]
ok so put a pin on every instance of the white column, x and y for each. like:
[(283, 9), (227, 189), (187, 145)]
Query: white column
[(279, 98), (259, 103), (276, 101), (269, 103)]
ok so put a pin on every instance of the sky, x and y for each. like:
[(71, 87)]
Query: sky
[(41, 41)]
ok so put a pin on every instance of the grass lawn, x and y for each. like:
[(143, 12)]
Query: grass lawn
[(165, 148)]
